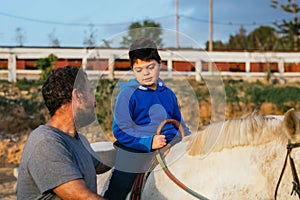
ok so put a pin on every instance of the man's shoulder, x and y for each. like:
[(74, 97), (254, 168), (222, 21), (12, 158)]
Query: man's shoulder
[(43, 133), (39, 139)]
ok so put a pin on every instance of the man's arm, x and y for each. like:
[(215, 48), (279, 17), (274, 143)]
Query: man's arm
[(75, 189)]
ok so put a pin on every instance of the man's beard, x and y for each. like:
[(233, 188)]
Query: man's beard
[(84, 117)]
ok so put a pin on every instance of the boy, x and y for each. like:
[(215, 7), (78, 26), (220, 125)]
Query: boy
[(142, 104)]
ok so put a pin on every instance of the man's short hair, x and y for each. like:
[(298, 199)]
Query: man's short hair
[(58, 87)]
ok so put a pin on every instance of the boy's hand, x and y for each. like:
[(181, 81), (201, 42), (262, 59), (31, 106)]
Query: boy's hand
[(159, 141)]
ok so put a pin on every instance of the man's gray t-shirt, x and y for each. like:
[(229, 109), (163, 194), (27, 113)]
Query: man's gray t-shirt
[(51, 158)]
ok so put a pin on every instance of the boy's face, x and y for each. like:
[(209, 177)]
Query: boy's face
[(146, 72)]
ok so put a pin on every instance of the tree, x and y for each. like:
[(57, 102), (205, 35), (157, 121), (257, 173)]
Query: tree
[(238, 41), (290, 28), (20, 38), (217, 45), (263, 38), (46, 65), (90, 37), (106, 43), (53, 39), (147, 29), (284, 43)]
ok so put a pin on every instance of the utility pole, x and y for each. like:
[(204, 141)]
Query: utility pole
[(210, 45), (177, 19)]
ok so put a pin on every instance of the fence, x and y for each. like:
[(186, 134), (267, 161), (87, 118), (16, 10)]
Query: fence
[(17, 63)]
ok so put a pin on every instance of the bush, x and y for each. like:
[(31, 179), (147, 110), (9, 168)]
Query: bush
[(242, 96), (46, 65)]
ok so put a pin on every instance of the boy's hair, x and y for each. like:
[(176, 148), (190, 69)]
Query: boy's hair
[(143, 49), (58, 87)]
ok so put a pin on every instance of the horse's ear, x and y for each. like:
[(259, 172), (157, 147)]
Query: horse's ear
[(292, 125)]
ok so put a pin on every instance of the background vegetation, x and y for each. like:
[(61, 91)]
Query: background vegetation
[(241, 96)]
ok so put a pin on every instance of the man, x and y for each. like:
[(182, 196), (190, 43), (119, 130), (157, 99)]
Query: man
[(55, 163)]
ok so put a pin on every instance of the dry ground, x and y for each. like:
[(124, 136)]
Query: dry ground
[(7, 182)]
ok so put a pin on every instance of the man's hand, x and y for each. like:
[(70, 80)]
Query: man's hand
[(159, 141)]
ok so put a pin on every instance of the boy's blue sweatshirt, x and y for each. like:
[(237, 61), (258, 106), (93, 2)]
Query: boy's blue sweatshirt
[(139, 111)]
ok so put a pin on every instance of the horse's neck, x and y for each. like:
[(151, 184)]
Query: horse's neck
[(251, 130)]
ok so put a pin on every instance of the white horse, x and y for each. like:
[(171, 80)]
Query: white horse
[(237, 159)]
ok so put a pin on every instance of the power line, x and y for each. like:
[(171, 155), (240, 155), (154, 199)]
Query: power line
[(42, 21), (129, 22), (71, 23), (227, 23)]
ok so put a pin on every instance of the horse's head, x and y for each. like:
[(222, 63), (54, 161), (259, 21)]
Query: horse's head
[(292, 126)]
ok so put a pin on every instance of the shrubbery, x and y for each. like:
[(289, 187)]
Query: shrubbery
[(238, 94)]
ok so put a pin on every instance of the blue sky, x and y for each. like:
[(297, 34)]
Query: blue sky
[(68, 20)]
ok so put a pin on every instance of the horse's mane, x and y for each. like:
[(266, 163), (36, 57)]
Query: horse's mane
[(252, 129)]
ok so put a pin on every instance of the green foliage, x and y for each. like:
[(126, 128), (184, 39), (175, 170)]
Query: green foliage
[(238, 41), (289, 28), (282, 97), (201, 93), (239, 94), (232, 94), (218, 45), (26, 106), (148, 29), (103, 95), (53, 39), (46, 65), (263, 38), (26, 84), (266, 38), (90, 37)]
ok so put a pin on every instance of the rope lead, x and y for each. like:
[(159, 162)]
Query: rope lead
[(164, 166), (176, 181)]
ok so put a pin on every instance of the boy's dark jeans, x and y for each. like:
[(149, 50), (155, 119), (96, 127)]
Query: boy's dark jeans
[(121, 182), (120, 185)]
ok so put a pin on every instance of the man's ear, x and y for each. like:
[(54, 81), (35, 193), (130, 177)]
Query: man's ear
[(76, 95)]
